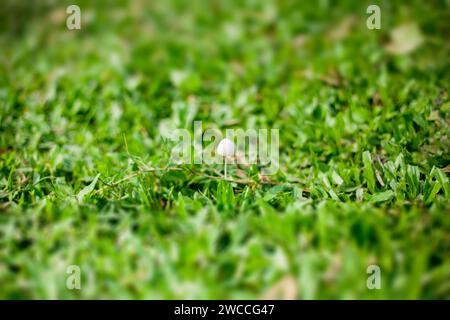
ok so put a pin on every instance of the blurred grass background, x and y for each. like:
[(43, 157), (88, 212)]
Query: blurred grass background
[(364, 132)]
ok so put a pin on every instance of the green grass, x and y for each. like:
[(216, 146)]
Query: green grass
[(86, 177)]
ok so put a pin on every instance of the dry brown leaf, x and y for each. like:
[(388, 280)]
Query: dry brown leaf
[(405, 39), (57, 16), (332, 78), (285, 289), (264, 178), (342, 29), (299, 41), (446, 169)]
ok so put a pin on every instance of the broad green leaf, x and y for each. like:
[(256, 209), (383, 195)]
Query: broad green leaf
[(413, 181), (88, 189), (383, 196), (368, 171)]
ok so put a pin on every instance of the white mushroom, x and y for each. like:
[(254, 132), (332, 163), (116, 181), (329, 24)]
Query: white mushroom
[(226, 149)]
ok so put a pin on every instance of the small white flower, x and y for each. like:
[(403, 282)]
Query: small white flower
[(225, 148)]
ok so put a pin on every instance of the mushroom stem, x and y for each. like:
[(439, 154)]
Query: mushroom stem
[(225, 149), (225, 167)]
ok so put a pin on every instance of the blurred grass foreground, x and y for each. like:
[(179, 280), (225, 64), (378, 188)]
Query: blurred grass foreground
[(87, 184)]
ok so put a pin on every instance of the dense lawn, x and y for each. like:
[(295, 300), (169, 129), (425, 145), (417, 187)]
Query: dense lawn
[(86, 177)]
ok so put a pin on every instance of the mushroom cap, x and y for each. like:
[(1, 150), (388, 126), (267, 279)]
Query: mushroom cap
[(225, 148)]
